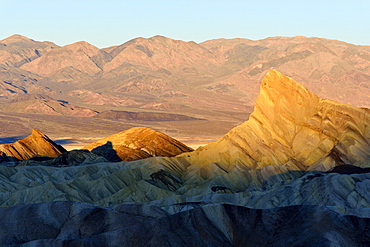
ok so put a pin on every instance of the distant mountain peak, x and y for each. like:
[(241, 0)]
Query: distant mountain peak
[(81, 44), (16, 38)]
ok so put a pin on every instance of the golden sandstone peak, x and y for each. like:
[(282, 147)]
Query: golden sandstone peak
[(37, 133), (294, 128), (285, 86), (35, 144), (282, 97)]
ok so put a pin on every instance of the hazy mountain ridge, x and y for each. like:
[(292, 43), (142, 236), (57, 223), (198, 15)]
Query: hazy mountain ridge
[(17, 50), (217, 80), (159, 64)]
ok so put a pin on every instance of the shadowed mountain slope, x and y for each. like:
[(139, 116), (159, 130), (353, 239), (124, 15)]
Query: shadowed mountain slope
[(80, 224), (35, 144)]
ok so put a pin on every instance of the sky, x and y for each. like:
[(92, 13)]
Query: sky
[(106, 23)]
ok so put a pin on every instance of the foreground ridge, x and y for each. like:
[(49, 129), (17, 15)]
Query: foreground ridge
[(141, 225)]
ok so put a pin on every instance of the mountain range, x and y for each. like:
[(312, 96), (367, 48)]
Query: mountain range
[(217, 80), (296, 172)]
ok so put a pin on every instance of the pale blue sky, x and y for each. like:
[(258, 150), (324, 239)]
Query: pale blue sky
[(111, 22)]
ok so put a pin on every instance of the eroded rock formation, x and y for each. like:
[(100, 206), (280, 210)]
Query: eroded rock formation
[(293, 127)]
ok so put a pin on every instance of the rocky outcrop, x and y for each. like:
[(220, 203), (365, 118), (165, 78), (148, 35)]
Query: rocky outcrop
[(291, 126), (35, 144), (137, 143)]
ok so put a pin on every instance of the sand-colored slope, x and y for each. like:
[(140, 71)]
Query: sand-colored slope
[(138, 143)]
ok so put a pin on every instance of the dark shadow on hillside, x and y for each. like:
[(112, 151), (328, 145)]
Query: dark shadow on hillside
[(107, 152), (4, 159), (11, 139), (348, 169), (65, 141)]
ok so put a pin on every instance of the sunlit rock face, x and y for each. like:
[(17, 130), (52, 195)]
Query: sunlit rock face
[(35, 144), (293, 127), (137, 143)]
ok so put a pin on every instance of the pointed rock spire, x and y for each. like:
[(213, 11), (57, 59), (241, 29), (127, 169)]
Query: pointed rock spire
[(293, 127)]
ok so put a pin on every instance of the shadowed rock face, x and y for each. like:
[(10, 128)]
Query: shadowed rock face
[(35, 144), (137, 143), (77, 224)]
